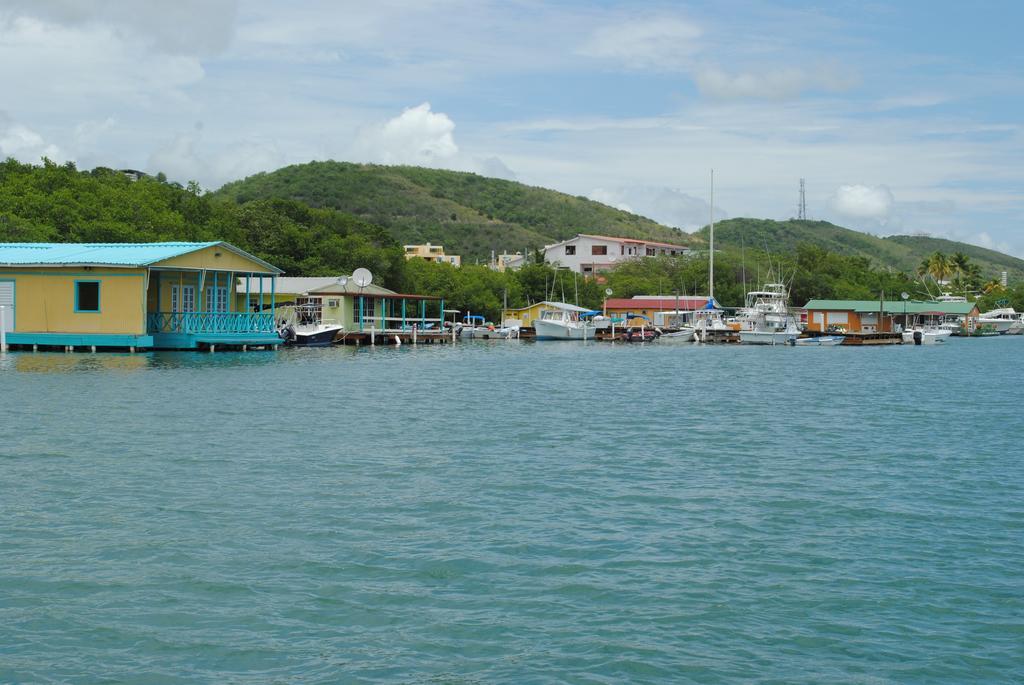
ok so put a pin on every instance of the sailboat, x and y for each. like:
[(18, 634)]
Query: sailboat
[(708, 324)]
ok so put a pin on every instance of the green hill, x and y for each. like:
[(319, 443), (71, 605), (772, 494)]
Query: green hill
[(899, 252), (468, 214)]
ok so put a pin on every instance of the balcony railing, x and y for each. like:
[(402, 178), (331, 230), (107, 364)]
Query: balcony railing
[(211, 322)]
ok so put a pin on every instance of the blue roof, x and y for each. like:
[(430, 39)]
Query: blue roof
[(104, 254)]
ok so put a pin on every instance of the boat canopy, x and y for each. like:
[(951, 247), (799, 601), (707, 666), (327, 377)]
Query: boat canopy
[(590, 312), (630, 315), (473, 317)]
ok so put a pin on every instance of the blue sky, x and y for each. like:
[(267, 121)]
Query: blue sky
[(904, 117)]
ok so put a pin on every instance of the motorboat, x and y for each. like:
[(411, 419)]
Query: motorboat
[(1004, 320), (474, 327), (764, 318), (562, 321), (710, 326), (303, 326), (680, 335), (817, 341), (928, 335)]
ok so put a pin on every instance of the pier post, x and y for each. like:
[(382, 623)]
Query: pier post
[(213, 348), (92, 348), (414, 334), (373, 336), (3, 328)]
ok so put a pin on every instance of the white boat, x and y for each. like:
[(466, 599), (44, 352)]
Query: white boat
[(819, 341), (561, 321), (474, 327), (710, 326), (680, 335), (1005, 320), (764, 318), (303, 326), (929, 335)]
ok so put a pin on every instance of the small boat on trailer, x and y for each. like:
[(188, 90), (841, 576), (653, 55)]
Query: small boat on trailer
[(640, 335)]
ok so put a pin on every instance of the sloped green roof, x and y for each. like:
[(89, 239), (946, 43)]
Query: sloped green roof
[(893, 307)]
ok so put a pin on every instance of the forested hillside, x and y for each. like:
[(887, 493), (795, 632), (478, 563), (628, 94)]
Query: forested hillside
[(468, 214), (58, 203), (905, 253)]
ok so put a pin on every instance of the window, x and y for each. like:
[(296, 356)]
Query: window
[(368, 306), (87, 296), (570, 249), (216, 299), (651, 252), (599, 250), (183, 298)]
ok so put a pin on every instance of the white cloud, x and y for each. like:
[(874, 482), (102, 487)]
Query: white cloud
[(863, 202), (495, 168), (777, 83), (186, 157), (654, 43), (182, 27), (669, 206), (416, 136), (24, 144)]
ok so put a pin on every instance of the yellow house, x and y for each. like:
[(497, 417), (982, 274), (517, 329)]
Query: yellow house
[(132, 295), (525, 316), (432, 253)]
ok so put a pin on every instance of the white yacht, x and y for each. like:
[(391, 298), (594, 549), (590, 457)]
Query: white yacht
[(929, 334), (1005, 320), (561, 321), (765, 319)]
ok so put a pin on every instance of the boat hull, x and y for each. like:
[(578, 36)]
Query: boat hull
[(820, 341), (556, 330), (767, 337), (320, 338)]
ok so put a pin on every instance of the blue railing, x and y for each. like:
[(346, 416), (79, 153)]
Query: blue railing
[(211, 322)]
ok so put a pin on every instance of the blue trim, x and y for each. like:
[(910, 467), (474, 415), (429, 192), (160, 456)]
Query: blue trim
[(98, 300), (192, 341), (360, 313), (91, 274), (80, 339)]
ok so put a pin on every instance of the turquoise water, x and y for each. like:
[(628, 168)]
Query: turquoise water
[(514, 513)]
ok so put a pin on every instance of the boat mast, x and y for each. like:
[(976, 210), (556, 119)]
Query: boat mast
[(711, 242)]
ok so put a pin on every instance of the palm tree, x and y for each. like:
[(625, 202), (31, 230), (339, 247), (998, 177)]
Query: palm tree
[(959, 263), (924, 267), (993, 286), (939, 267)]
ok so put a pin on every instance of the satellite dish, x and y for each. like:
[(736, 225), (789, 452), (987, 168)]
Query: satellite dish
[(904, 295), (362, 277), (343, 281), (608, 291), (612, 258)]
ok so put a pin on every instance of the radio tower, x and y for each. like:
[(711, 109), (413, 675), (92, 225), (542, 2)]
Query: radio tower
[(802, 209)]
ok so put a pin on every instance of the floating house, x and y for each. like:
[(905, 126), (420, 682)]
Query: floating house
[(865, 317), (359, 310), (653, 307), (133, 295)]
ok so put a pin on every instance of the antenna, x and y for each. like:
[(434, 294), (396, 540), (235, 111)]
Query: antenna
[(362, 277), (801, 212)]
